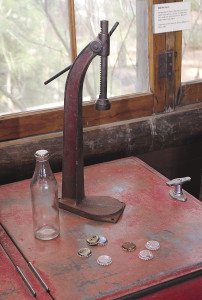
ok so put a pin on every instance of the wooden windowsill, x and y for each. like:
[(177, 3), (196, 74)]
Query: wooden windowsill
[(41, 122), (106, 141)]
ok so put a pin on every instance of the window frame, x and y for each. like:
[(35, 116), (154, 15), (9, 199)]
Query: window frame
[(165, 94)]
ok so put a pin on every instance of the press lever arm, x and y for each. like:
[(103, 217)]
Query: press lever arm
[(67, 68)]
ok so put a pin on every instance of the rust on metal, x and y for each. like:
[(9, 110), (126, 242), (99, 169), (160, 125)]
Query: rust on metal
[(84, 252), (102, 208), (93, 240), (128, 246)]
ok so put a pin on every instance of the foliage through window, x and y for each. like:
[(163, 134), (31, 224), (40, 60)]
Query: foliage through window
[(124, 66), (35, 44), (192, 45)]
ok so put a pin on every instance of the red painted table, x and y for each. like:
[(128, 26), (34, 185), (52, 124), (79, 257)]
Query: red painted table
[(150, 214)]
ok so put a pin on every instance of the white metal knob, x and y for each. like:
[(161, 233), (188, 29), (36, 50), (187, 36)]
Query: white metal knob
[(177, 193)]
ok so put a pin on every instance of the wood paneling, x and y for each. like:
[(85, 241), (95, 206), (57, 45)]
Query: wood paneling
[(41, 122), (129, 107), (165, 90), (191, 92), (173, 43), (157, 45), (33, 123), (178, 64)]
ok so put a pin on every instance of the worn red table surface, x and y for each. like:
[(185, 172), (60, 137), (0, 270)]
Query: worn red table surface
[(150, 214)]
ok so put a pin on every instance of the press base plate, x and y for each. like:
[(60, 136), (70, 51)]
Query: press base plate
[(99, 208)]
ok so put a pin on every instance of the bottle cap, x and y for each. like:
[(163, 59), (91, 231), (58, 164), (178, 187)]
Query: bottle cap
[(93, 240), (41, 154), (104, 260), (128, 246), (145, 255), (102, 241), (84, 252), (152, 245)]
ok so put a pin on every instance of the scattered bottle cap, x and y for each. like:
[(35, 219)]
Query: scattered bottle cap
[(102, 241), (128, 246), (104, 260), (152, 245), (93, 240), (145, 255), (84, 252)]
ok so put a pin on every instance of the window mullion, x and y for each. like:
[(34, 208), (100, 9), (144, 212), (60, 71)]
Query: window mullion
[(157, 45), (72, 29), (165, 89), (174, 43)]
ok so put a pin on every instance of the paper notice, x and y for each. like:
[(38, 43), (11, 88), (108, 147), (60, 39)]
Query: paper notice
[(169, 17)]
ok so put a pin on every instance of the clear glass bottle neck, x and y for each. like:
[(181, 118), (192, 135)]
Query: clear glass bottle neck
[(42, 168)]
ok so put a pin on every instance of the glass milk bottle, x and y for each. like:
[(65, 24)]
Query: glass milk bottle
[(44, 196)]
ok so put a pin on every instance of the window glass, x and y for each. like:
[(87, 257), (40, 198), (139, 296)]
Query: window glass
[(128, 60), (34, 46), (192, 45)]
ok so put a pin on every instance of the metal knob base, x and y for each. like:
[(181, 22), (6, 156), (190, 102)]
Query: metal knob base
[(177, 183), (176, 196)]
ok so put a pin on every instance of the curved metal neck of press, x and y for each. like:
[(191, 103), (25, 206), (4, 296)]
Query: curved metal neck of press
[(73, 173)]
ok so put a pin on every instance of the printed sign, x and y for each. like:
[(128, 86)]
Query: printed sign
[(170, 17)]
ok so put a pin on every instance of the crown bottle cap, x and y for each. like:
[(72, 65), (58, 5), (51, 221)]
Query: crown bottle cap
[(104, 260), (145, 255), (128, 246), (102, 241), (93, 240), (84, 252), (152, 245)]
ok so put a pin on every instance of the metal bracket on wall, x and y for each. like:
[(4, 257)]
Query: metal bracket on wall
[(165, 64)]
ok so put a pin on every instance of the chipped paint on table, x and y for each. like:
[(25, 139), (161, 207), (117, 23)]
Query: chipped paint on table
[(150, 214)]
